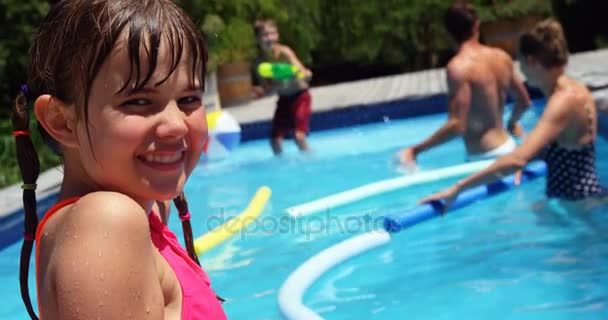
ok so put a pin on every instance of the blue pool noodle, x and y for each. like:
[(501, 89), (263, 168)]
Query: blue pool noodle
[(426, 211)]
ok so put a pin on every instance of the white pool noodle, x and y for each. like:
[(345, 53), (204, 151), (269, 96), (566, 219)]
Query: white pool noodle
[(375, 188), (293, 289)]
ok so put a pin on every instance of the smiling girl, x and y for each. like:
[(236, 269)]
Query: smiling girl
[(116, 89)]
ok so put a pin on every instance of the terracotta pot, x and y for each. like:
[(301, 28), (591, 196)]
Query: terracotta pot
[(234, 83)]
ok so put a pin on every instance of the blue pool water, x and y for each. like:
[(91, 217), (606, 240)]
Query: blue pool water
[(513, 256)]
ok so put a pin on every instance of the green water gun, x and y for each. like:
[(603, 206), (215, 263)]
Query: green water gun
[(279, 71)]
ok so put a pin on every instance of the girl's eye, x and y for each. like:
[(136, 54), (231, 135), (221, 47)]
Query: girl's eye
[(137, 102), (189, 101)]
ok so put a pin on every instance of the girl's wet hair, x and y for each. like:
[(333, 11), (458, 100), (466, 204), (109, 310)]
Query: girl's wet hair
[(547, 43), (71, 45)]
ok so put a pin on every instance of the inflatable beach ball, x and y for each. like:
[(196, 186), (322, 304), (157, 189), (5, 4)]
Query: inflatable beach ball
[(224, 134)]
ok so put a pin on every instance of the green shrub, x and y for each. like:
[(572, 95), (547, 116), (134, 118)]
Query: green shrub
[(490, 10), (9, 169), (234, 42), (18, 22)]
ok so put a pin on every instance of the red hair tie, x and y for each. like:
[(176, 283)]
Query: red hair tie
[(28, 236), (17, 133), (185, 217)]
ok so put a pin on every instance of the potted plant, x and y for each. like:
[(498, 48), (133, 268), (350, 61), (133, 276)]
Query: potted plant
[(505, 21), (231, 47)]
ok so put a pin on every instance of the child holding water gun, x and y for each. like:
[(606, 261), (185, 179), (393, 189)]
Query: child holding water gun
[(116, 89), (293, 109)]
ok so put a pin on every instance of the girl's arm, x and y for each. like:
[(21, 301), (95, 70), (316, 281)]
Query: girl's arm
[(553, 120), (104, 265)]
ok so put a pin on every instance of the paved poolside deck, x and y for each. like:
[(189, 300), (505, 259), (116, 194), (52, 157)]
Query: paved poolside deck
[(589, 67)]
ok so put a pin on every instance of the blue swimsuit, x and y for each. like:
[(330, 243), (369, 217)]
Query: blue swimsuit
[(571, 173)]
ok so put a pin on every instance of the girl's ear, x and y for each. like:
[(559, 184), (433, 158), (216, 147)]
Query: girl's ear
[(57, 119)]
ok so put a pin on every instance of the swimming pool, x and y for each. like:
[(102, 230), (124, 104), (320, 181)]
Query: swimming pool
[(502, 258)]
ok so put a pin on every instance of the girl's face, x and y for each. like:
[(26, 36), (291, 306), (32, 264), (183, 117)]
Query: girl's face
[(143, 143)]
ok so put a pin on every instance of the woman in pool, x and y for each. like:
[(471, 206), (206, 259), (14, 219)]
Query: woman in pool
[(565, 134), (117, 91)]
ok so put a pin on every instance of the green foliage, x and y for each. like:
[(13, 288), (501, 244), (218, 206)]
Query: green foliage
[(396, 32), (18, 22), (404, 33), (228, 25), (490, 10), (299, 22), (234, 42), (9, 169)]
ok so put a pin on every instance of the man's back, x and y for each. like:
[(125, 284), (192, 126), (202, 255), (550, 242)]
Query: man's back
[(478, 80), (486, 73)]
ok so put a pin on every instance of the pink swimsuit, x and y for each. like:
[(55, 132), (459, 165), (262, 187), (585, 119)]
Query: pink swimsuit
[(198, 300)]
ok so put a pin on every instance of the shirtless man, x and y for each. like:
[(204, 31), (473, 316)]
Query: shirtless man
[(292, 114), (479, 78)]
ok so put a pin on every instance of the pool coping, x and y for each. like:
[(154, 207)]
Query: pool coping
[(334, 106)]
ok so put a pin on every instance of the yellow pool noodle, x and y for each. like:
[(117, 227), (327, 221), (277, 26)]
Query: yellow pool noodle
[(220, 234)]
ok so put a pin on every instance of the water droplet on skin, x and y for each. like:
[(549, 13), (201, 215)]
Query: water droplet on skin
[(105, 235), (147, 309), (99, 254), (105, 292), (101, 277)]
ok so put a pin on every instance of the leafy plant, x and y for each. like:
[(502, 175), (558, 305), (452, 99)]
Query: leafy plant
[(18, 22), (223, 23), (9, 169), (233, 42), (406, 33), (490, 10)]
